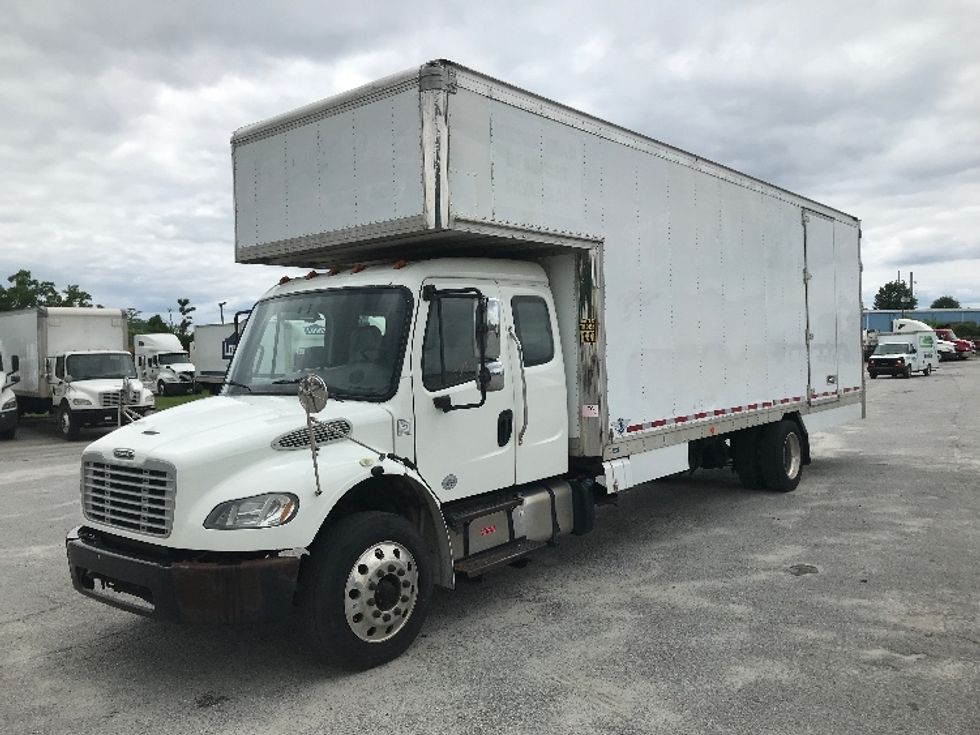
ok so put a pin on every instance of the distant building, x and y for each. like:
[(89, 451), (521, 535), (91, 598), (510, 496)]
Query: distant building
[(880, 320)]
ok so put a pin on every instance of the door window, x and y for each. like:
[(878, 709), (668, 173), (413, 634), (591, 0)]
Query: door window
[(450, 354), (59, 368), (533, 325)]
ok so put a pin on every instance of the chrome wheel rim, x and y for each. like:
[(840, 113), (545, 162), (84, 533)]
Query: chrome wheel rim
[(792, 456), (381, 591), (65, 422)]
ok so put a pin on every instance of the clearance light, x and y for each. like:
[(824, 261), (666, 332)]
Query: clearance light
[(399, 264), (333, 271), (358, 268), (284, 280), (311, 275)]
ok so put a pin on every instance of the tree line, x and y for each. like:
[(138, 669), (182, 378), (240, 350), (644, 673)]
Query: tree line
[(27, 292)]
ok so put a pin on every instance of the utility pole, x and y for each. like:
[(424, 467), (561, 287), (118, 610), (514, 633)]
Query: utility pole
[(221, 309)]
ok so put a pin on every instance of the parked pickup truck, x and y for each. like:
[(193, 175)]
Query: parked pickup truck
[(514, 311)]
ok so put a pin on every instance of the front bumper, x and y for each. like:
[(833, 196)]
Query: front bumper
[(8, 419), (178, 589), (886, 369), (102, 416)]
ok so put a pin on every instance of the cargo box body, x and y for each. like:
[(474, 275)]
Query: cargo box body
[(692, 300)]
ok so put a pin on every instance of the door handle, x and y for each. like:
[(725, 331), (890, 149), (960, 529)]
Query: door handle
[(505, 427), (520, 357)]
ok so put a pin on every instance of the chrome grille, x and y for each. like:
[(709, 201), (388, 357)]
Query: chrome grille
[(109, 398), (134, 498), (325, 432)]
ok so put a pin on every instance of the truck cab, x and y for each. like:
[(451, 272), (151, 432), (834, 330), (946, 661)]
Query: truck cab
[(88, 386), (163, 364), (963, 348), (9, 366)]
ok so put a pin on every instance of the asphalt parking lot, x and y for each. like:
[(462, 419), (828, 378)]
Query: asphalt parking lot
[(849, 606)]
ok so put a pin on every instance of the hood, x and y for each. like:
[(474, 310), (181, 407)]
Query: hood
[(226, 427), (179, 367)]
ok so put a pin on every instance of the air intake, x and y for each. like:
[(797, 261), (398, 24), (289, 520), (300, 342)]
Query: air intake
[(325, 432)]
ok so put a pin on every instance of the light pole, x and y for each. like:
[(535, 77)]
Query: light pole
[(221, 309)]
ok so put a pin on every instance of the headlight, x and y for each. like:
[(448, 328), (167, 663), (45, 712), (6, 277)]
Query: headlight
[(901, 361), (12, 403), (259, 511), (81, 402)]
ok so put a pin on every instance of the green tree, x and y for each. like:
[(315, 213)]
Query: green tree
[(27, 292), (155, 325), (945, 302), (182, 330), (895, 295)]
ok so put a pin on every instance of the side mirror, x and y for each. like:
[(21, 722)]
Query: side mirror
[(14, 363), (492, 376), (13, 379), (491, 330)]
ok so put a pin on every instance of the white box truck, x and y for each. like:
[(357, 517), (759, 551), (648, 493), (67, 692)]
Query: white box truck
[(163, 363), (9, 367), (211, 351), (911, 347), (516, 311), (74, 363)]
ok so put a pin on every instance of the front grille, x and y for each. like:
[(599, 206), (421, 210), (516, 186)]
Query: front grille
[(325, 432), (186, 377), (134, 498), (109, 399)]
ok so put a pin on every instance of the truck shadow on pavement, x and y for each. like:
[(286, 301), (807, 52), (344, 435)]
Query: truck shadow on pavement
[(184, 658)]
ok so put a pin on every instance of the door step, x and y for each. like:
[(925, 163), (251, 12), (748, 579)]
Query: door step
[(477, 564), (460, 516)]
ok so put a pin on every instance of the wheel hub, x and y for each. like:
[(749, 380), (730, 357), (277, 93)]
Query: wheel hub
[(381, 591), (792, 455)]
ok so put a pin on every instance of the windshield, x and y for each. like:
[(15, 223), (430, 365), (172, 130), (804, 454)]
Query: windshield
[(173, 358), (893, 348), (353, 338), (107, 365)]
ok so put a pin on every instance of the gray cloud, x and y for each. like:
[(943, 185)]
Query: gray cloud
[(114, 138)]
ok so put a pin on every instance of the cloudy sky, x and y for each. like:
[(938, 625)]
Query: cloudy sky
[(115, 117)]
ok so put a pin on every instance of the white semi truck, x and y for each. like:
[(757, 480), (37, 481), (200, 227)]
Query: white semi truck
[(163, 363), (514, 312), (211, 351), (74, 363), (9, 367)]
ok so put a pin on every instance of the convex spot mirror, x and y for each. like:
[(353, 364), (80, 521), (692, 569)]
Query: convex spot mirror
[(312, 393)]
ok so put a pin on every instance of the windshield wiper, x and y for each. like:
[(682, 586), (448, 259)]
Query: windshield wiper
[(286, 381), (238, 385)]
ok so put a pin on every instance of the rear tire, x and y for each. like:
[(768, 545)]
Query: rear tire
[(781, 456), (342, 584), (745, 458), (927, 371)]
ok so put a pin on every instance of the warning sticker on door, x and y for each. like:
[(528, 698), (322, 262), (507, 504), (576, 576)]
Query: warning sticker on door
[(590, 411)]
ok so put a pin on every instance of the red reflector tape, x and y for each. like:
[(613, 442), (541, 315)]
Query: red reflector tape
[(680, 419), (659, 422), (700, 415), (753, 406), (720, 412), (736, 409), (767, 404), (634, 427), (784, 400)]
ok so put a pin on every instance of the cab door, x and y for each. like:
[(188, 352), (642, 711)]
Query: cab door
[(464, 443), (540, 405)]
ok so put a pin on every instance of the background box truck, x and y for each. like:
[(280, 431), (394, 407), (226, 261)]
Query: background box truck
[(524, 311), (9, 366), (211, 351), (73, 362)]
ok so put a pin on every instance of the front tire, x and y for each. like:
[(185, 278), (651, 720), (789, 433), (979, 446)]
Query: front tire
[(872, 374), (68, 423), (907, 373), (781, 456), (9, 433), (365, 590), (161, 388)]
